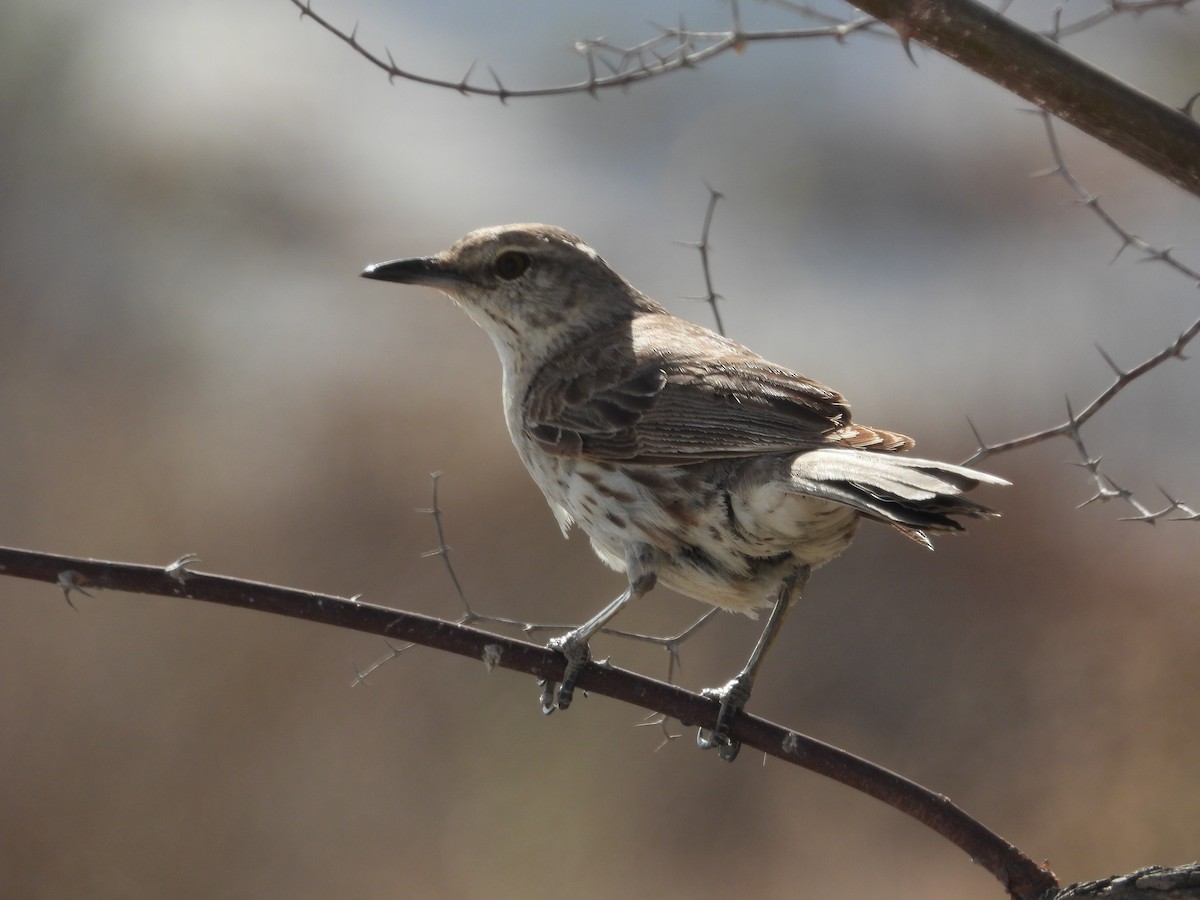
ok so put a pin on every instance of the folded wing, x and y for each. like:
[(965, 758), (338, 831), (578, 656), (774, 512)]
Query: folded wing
[(657, 390)]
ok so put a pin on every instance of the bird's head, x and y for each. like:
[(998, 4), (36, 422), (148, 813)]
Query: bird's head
[(533, 288)]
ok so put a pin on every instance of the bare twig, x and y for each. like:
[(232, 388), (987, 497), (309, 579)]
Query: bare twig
[(1104, 486), (670, 50), (711, 297), (1022, 877), (1091, 201), (1160, 137), (1113, 9), (1074, 421)]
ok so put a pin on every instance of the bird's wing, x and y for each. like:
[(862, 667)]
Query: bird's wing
[(658, 390)]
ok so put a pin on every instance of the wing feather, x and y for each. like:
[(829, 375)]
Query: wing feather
[(657, 390)]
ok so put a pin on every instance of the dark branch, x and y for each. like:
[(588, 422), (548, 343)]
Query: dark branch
[(1154, 134), (1020, 875), (1150, 883)]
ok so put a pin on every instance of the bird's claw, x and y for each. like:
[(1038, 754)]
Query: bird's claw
[(548, 686), (733, 697), (578, 656)]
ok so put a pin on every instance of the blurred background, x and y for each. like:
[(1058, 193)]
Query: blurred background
[(190, 363)]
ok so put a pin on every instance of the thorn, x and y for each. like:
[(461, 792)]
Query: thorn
[(1072, 422), (1126, 241), (1189, 514), (1189, 108), (393, 69), (1153, 255), (1119, 491), (983, 446), (178, 569), (1101, 496), (675, 660), (1111, 364), (1148, 517), (501, 92), (465, 91), (1175, 502), (70, 580), (739, 42), (1056, 31)]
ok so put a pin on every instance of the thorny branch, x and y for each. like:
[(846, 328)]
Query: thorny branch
[(1022, 877), (1031, 65), (1105, 487), (1112, 9), (1087, 199), (608, 65), (711, 297)]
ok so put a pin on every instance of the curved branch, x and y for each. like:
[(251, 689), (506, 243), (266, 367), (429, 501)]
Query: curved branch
[(1022, 877), (1033, 66), (672, 49), (1105, 487), (1122, 378)]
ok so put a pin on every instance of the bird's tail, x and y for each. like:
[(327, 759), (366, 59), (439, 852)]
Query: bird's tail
[(913, 495)]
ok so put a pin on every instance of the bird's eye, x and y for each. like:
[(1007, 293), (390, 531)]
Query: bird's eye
[(512, 264)]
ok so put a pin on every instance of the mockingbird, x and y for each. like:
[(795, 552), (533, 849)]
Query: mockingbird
[(686, 458)]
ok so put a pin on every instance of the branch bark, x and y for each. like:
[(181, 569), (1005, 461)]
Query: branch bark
[(1021, 876), (1150, 883), (1163, 139)]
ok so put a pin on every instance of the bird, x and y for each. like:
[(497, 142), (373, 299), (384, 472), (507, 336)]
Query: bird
[(689, 460)]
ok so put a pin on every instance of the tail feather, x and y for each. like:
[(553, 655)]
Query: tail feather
[(913, 495)]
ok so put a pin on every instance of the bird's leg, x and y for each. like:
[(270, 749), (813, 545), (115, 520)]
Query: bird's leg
[(733, 696), (640, 567)]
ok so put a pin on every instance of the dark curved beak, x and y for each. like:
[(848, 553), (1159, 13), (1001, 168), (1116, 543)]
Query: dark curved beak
[(426, 270)]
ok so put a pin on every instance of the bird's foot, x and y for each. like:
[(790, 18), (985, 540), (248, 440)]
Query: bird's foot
[(578, 655), (733, 697)]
